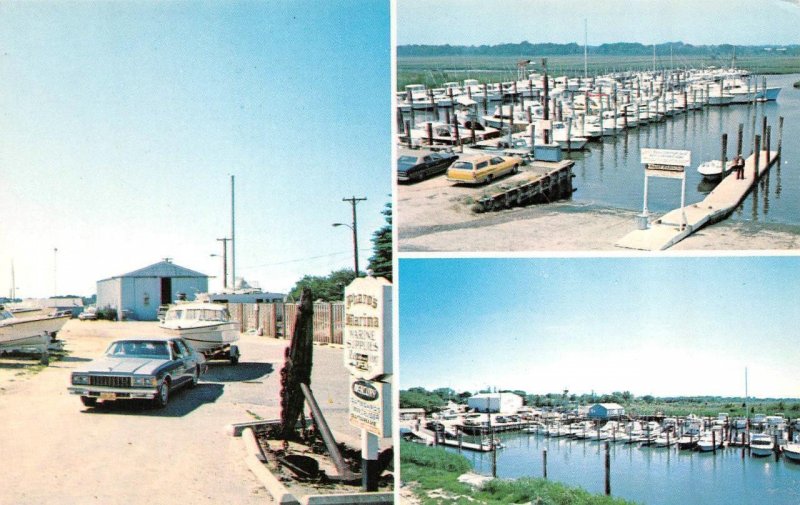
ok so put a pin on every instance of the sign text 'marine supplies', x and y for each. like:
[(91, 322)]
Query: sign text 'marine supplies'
[(367, 328)]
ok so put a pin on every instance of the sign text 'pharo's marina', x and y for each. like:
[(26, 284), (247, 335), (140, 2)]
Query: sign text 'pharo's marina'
[(367, 328)]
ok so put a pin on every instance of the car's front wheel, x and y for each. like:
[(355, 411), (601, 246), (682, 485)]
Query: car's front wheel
[(162, 396), (88, 401)]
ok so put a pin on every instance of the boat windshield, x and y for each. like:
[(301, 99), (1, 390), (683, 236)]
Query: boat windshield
[(138, 349), (206, 314)]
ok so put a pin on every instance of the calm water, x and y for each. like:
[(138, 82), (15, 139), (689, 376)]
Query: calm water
[(649, 475), (610, 174)]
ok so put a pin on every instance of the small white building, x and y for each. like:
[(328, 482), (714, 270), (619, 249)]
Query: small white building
[(606, 411), (503, 403)]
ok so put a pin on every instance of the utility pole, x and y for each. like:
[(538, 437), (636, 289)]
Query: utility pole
[(233, 237), (224, 261), (55, 271), (353, 201)]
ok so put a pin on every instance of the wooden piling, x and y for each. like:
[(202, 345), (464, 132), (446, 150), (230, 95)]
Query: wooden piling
[(764, 132), (485, 99), (533, 136), (757, 152), (413, 119), (767, 142), (456, 132), (780, 134), (429, 126), (724, 156), (494, 455), (714, 441), (544, 463), (608, 470), (569, 135), (739, 139), (408, 133)]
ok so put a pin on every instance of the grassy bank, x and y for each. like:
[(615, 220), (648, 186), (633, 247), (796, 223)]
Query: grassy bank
[(434, 473), (789, 408), (435, 70)]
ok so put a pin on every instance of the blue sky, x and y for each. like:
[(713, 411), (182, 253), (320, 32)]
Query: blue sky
[(123, 121), (476, 22), (662, 326)]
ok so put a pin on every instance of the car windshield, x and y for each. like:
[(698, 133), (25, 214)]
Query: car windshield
[(138, 349), (406, 162)]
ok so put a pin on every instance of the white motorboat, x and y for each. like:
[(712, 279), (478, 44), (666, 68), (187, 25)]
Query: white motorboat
[(792, 451), (707, 441), (29, 332), (713, 169), (207, 327), (761, 444)]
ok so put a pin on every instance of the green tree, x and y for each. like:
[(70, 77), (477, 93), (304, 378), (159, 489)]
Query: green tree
[(381, 261), (329, 288)]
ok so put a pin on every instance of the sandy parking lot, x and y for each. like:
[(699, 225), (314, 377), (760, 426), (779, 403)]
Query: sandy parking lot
[(54, 450), (434, 215)]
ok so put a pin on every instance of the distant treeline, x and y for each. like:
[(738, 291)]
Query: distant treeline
[(527, 49)]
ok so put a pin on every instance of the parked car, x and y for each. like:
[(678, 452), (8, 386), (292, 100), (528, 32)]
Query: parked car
[(88, 314), (482, 169), (139, 368), (416, 165)]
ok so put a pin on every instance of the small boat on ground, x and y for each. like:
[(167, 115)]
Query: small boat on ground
[(207, 327), (761, 444), (36, 332)]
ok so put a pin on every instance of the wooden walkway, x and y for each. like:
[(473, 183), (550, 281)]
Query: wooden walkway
[(666, 231), (430, 440)]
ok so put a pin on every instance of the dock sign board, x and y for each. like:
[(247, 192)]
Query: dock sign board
[(371, 406), (669, 157), (368, 328)]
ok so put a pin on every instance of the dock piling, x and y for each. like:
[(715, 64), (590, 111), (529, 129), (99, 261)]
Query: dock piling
[(757, 158), (780, 134), (544, 463), (724, 156), (608, 470), (739, 139)]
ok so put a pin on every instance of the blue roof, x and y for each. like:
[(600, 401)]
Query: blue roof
[(164, 269)]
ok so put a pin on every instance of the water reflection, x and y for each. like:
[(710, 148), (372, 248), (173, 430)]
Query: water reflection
[(649, 475)]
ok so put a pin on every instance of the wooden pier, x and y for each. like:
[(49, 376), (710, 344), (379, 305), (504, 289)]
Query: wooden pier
[(553, 181), (668, 230), (432, 439)]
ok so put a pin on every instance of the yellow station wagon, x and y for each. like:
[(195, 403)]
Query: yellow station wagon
[(482, 168)]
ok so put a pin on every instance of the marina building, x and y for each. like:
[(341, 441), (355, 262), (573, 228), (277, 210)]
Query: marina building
[(503, 403), (606, 411), (142, 291)]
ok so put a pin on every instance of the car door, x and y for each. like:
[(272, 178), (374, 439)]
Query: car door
[(190, 358), (180, 373)]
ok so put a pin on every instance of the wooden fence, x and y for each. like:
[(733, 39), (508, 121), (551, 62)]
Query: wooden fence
[(277, 319)]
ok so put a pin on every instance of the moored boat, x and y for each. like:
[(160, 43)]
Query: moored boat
[(761, 444)]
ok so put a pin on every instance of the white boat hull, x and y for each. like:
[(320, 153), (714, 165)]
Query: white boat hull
[(29, 332), (207, 337)]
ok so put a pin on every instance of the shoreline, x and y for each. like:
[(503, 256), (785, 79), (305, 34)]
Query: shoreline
[(571, 227)]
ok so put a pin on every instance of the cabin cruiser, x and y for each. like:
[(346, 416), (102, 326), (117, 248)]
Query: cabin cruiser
[(709, 439), (207, 327), (29, 332), (761, 444), (792, 451), (713, 169)]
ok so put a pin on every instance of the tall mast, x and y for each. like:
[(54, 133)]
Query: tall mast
[(233, 236), (585, 44)]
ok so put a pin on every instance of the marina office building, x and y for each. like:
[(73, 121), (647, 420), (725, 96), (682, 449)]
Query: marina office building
[(142, 291), (503, 403)]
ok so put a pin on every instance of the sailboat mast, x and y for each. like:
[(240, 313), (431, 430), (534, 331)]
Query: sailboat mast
[(585, 49)]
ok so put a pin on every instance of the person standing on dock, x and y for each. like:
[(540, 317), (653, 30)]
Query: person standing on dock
[(738, 166)]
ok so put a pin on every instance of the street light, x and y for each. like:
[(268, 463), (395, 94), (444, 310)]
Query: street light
[(353, 202), (355, 244)]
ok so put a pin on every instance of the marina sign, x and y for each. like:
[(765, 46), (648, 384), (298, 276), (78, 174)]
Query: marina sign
[(667, 171), (669, 157), (371, 406), (368, 328)]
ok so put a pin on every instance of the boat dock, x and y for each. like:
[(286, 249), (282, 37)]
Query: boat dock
[(431, 439), (668, 230), (552, 181)]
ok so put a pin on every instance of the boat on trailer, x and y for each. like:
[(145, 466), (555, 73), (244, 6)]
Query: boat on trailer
[(206, 326), (30, 334)]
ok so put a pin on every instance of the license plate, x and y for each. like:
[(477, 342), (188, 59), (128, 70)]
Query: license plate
[(108, 396)]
